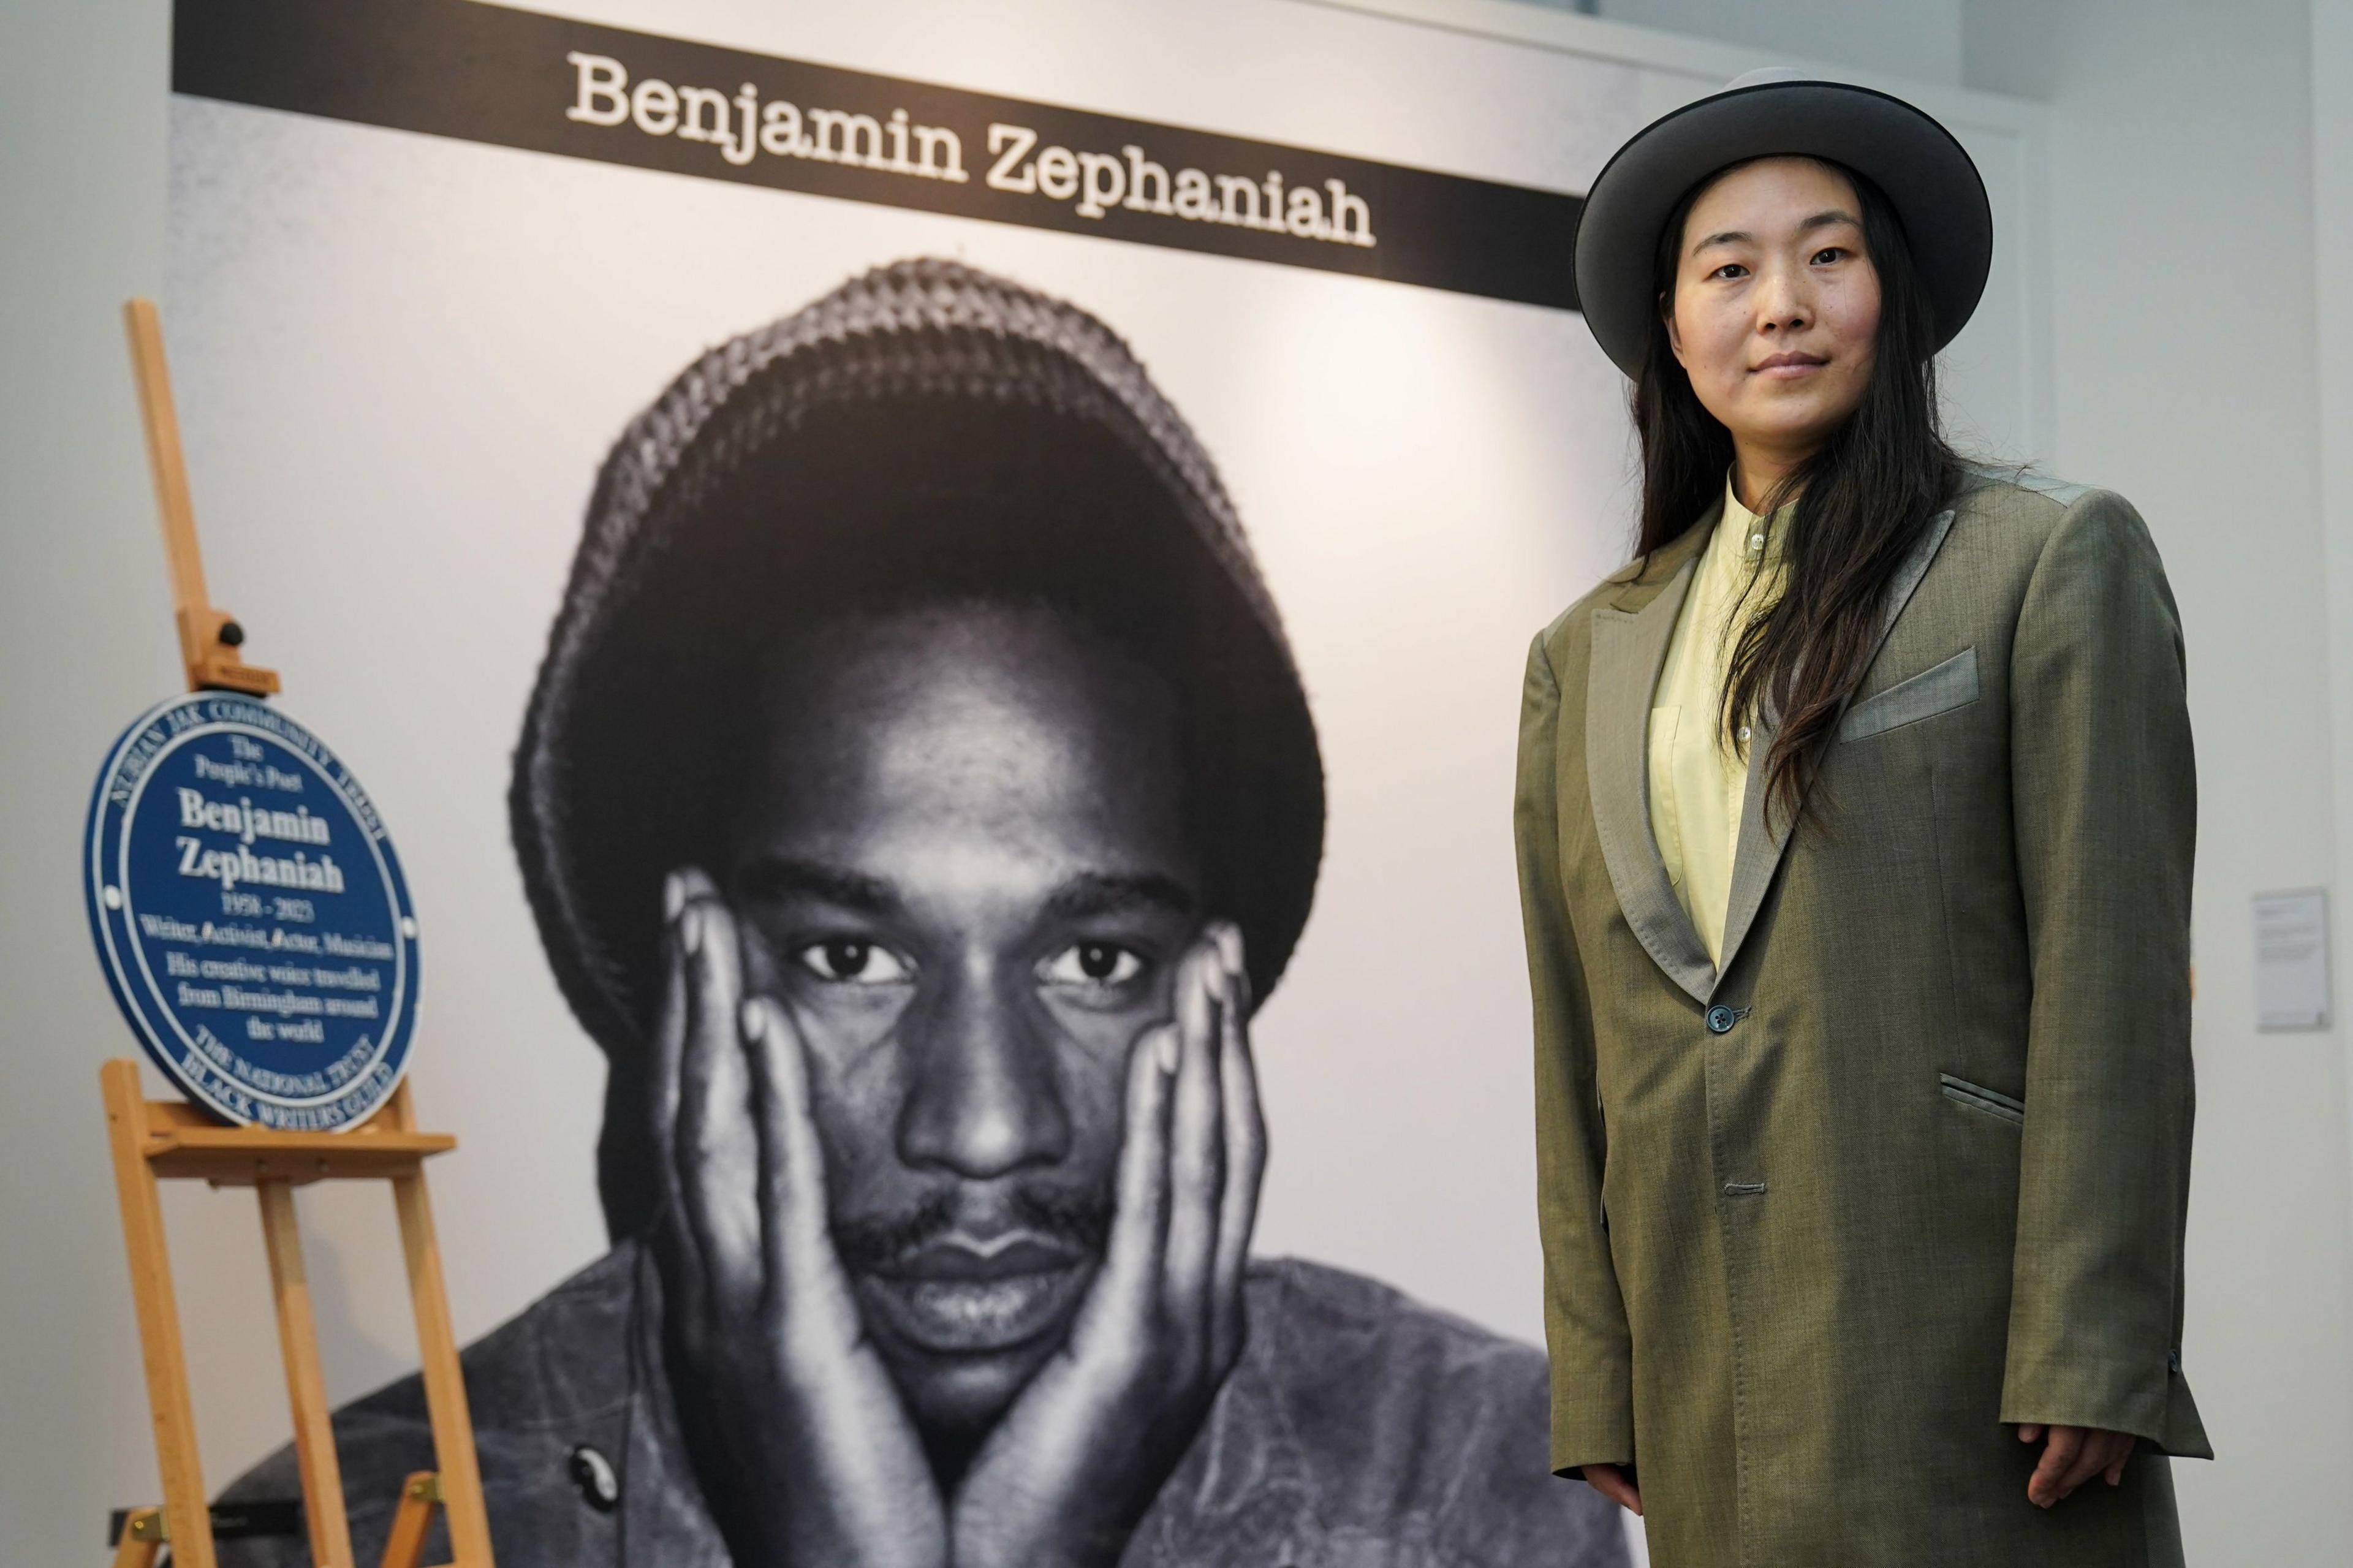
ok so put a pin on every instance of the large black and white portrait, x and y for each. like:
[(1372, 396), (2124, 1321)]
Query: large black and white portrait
[(916, 798)]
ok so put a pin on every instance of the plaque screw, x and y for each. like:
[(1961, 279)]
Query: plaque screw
[(232, 635)]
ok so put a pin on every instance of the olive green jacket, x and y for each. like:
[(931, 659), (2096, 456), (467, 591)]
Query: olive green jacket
[(1913, 1165)]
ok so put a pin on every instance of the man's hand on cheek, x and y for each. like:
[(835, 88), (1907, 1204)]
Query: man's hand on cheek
[(1065, 1477), (805, 1452)]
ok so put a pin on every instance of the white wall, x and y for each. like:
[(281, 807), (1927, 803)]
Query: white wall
[(2183, 313), (81, 187), (1916, 38), (2332, 238)]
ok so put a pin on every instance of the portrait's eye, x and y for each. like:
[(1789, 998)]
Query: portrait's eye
[(1094, 965), (1730, 270), (849, 961), (1830, 252)]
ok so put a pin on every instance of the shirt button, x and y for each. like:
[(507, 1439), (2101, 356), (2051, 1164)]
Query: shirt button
[(1720, 1019), (1755, 541), (1744, 731)]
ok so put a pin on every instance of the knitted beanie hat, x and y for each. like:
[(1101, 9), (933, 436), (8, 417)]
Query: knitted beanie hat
[(926, 429)]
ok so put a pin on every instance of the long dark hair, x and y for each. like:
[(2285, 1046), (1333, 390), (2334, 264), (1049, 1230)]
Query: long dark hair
[(1863, 500)]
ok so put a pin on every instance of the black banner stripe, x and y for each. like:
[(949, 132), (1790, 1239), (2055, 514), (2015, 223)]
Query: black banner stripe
[(514, 79)]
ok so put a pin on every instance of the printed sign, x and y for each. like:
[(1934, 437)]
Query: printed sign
[(251, 915), (2292, 961)]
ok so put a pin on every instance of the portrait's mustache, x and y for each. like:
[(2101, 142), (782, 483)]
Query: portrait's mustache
[(1081, 1220)]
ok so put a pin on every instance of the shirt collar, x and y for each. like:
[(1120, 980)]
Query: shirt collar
[(1750, 537)]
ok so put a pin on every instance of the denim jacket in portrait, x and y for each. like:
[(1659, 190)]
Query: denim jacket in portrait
[(1358, 1430)]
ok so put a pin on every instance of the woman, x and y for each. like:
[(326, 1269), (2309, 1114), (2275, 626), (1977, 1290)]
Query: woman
[(1855, 822)]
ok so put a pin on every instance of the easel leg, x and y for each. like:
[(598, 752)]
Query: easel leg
[(306, 1386), (185, 1508), (445, 1385)]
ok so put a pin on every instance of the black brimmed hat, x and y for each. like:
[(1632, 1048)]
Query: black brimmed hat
[(1925, 173), (925, 430)]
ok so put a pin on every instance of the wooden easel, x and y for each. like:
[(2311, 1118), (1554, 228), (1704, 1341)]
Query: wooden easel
[(157, 1139)]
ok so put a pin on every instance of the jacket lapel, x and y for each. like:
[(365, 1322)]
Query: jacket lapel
[(1630, 645), (1762, 840)]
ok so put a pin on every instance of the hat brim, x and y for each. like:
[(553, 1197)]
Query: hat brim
[(1924, 173)]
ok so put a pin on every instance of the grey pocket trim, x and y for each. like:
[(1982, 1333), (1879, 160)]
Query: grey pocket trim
[(1977, 1097), (1937, 689)]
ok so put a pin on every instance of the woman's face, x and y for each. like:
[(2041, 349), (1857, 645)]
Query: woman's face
[(1776, 305)]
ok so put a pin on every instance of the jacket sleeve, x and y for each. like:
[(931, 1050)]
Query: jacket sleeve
[(1585, 1316), (2105, 802)]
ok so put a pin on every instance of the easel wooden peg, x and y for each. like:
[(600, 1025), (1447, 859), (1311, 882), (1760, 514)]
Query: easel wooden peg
[(142, 1538), (420, 1494), (209, 636)]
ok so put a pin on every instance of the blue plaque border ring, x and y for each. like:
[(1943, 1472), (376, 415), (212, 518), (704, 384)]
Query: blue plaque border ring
[(251, 914)]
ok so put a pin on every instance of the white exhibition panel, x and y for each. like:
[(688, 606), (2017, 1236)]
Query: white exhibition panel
[(400, 360)]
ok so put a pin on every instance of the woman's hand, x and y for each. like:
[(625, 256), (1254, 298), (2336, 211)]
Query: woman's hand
[(1617, 1484), (2073, 1456)]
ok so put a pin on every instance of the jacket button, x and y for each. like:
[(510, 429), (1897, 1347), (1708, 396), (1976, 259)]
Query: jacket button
[(600, 1489), (1720, 1019)]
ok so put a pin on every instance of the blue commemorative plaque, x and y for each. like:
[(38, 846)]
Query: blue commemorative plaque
[(251, 914)]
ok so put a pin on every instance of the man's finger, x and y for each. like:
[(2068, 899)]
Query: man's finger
[(669, 1027), (793, 1220), (2116, 1470), (1196, 1154), (690, 1130), (1245, 1125), (2059, 1452), (717, 1155), (669, 1049), (1130, 1279)]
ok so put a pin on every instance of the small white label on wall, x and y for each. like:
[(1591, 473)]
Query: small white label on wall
[(2292, 959)]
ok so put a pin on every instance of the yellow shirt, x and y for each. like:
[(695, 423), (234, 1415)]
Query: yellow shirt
[(1697, 783)]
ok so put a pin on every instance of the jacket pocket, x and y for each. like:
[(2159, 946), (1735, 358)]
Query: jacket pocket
[(1937, 689), (1977, 1097)]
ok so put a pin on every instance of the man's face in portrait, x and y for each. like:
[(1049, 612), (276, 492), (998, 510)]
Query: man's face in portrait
[(960, 863)]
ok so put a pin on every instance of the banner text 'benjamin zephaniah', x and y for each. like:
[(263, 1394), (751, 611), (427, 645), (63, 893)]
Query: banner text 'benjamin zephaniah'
[(524, 80)]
